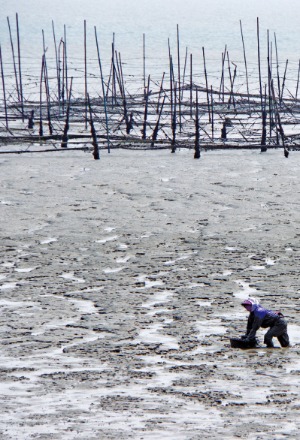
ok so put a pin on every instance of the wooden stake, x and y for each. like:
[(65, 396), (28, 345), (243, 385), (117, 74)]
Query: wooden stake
[(96, 153), (65, 137), (146, 110), (173, 143), (197, 131)]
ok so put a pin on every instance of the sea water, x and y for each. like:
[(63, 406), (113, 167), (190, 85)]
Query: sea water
[(202, 23), (209, 24)]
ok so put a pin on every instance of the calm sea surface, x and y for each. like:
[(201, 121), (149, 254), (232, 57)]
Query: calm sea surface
[(211, 24)]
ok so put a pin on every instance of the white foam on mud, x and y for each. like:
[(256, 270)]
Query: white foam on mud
[(257, 267), (195, 285), (246, 290), (123, 259), (7, 286), (8, 264), (226, 273), (153, 335), (83, 305), (158, 298), (204, 303), (25, 269), (17, 304), (107, 239), (113, 270), (148, 283), (71, 277), (210, 327), (48, 240), (270, 262), (109, 229)]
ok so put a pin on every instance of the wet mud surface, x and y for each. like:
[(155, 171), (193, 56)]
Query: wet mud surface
[(121, 282)]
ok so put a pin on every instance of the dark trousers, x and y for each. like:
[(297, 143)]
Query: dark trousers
[(278, 330)]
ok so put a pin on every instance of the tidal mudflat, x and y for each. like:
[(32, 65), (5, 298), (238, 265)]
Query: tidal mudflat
[(121, 281)]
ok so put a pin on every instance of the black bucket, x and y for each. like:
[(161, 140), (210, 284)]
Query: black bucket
[(243, 343)]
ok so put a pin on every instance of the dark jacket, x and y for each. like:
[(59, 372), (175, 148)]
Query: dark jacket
[(260, 317)]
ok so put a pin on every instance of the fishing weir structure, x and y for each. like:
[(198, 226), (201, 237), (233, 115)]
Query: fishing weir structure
[(65, 108)]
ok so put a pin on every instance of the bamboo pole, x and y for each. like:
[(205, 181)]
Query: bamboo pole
[(66, 58), (3, 88), (65, 137), (146, 110), (57, 67), (277, 66), (179, 79), (212, 113), (14, 59), (160, 92), (156, 128), (41, 98), (174, 123), (283, 81), (206, 82), (259, 64), (20, 71), (245, 60), (298, 77), (222, 81), (85, 77), (197, 131), (144, 61), (191, 85), (47, 88), (96, 153), (103, 91), (184, 71)]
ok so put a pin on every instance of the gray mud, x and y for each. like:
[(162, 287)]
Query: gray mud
[(121, 281)]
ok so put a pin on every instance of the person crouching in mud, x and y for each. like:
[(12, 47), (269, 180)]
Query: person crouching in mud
[(261, 317)]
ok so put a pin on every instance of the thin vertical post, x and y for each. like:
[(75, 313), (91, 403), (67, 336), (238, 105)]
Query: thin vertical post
[(191, 85), (41, 97), (245, 61), (3, 88), (277, 66), (14, 59), (103, 91), (179, 79), (283, 81), (197, 130), (206, 81), (144, 60), (297, 86), (20, 71), (259, 65), (85, 77), (212, 114), (57, 67), (66, 58), (184, 70)]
